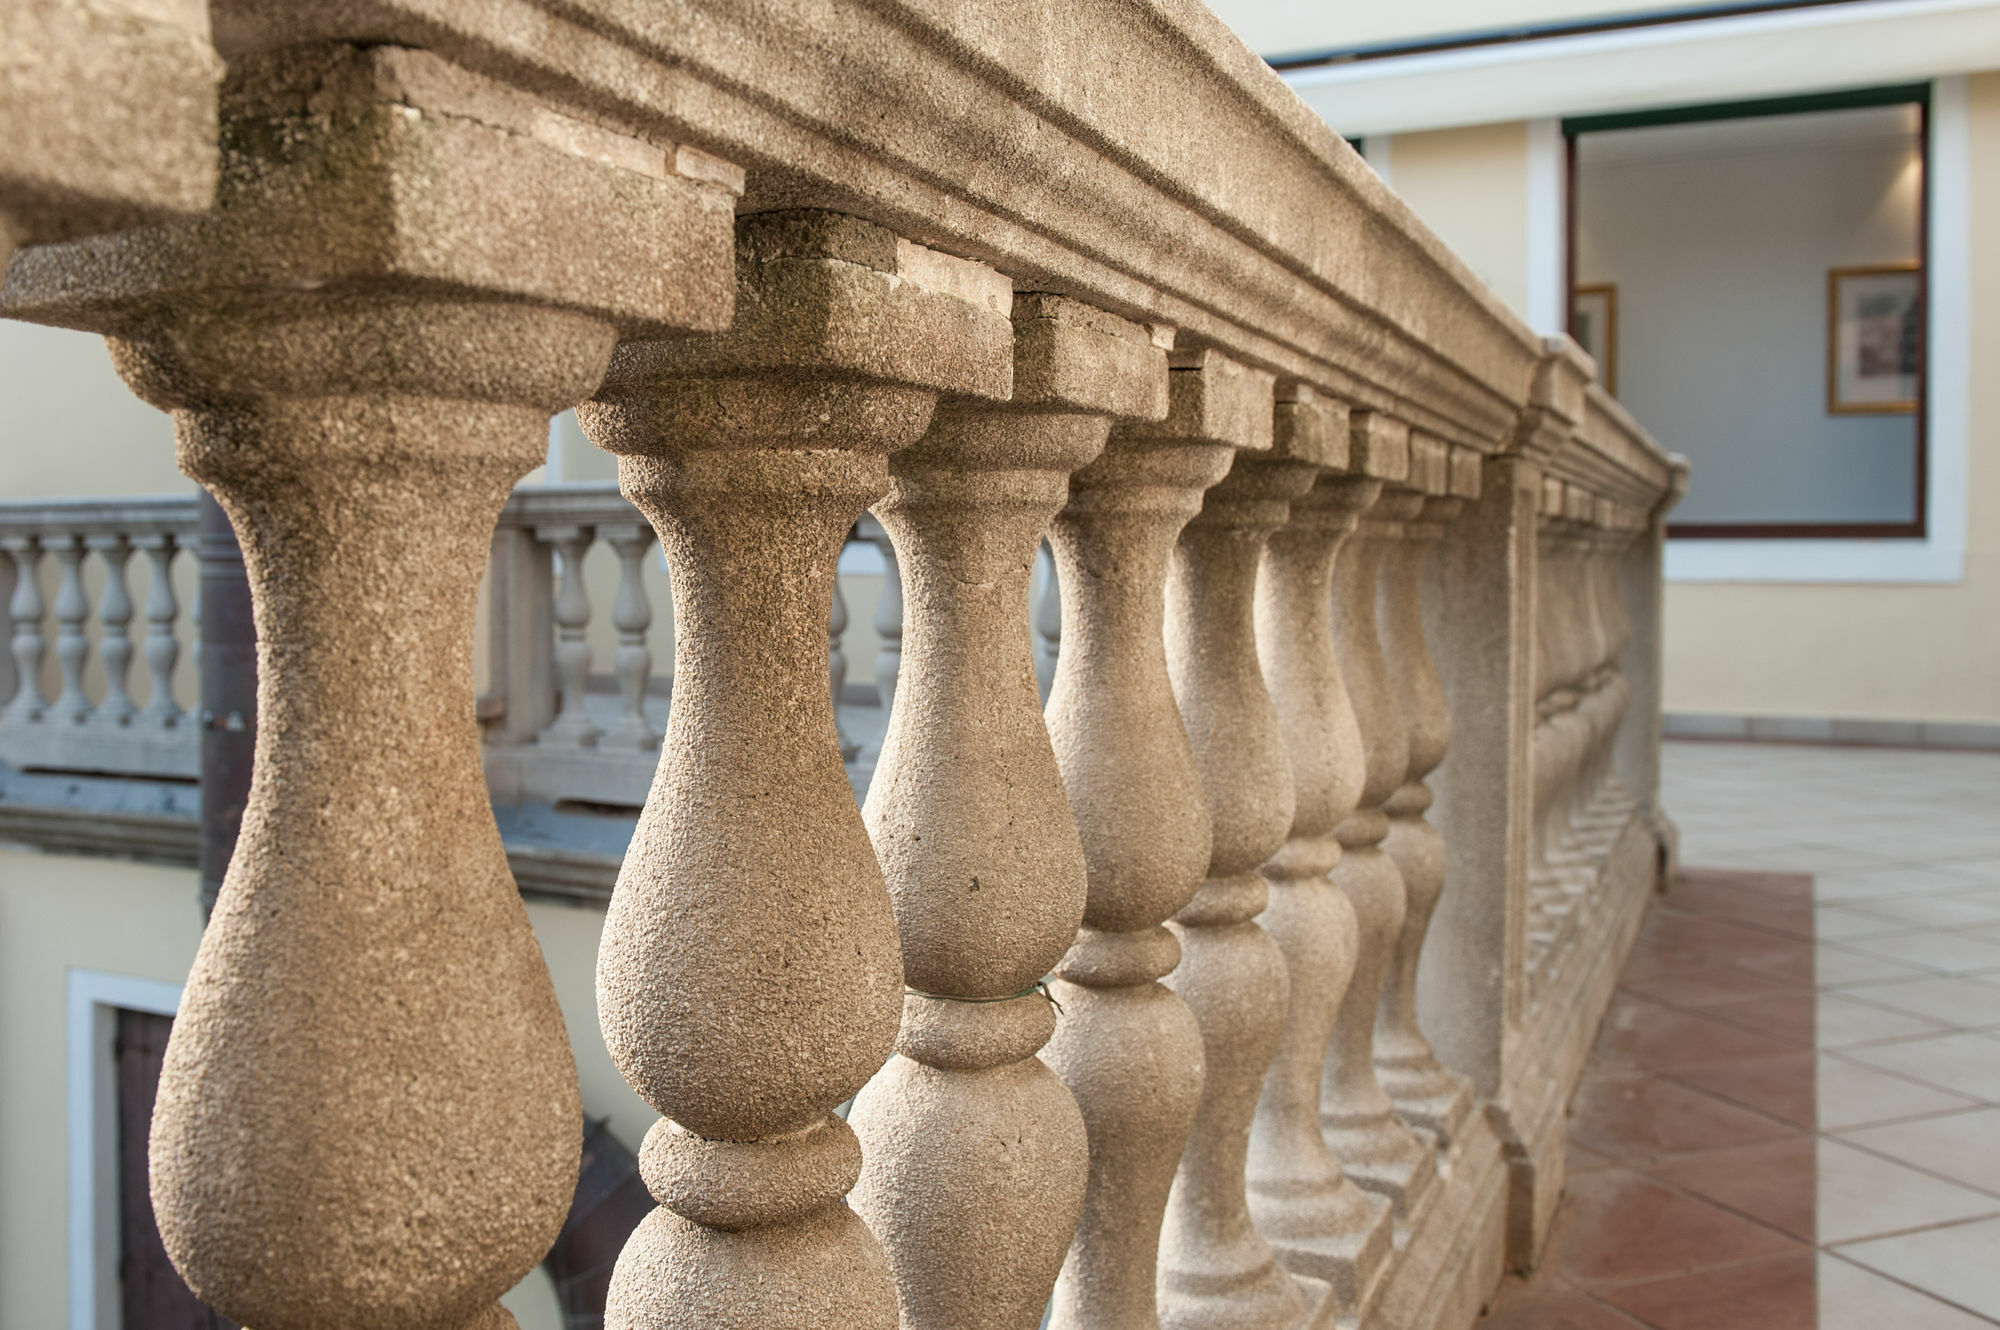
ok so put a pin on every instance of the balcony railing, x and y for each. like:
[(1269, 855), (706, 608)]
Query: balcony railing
[(1178, 997)]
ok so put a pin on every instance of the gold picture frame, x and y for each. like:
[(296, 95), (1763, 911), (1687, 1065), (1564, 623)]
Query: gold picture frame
[(1874, 339), (1593, 321)]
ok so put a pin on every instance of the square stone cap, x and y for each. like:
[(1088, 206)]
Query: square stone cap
[(822, 294), (1380, 446), (1468, 470), (1069, 355), (1309, 427), (1430, 464), (1212, 399)]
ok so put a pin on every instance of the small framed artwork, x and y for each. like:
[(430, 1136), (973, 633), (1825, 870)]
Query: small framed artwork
[(1593, 321), (1874, 339)]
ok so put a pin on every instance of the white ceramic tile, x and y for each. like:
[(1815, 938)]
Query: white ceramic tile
[(1863, 1195), (1854, 1298), (1966, 1063), (1932, 911), (1837, 923), (1962, 1146), (1949, 953), (1898, 880), (1955, 1263), (1852, 1095), (1949, 1000), (1837, 967), (1844, 1023)]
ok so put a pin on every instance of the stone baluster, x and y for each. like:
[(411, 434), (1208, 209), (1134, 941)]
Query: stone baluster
[(1128, 1047), (975, 836), (1616, 801), (572, 727), (1320, 1223), (1216, 1271), (72, 609), (1048, 624), (836, 668), (368, 1114), (26, 644), (1424, 1091), (163, 646), (888, 615), (1568, 862), (749, 978), (1592, 675), (1377, 1147), (632, 615), (114, 612)]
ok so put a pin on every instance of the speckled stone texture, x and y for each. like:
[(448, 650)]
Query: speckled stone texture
[(976, 1154), (1215, 1271), (110, 115), (1425, 1091), (368, 1115), (1127, 1047), (1320, 1224), (749, 978)]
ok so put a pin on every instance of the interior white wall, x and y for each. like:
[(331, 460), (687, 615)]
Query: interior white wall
[(1719, 238)]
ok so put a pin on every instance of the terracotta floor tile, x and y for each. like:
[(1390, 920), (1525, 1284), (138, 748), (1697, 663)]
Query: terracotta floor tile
[(1787, 1017), (1649, 1035), (1616, 1226), (1695, 985), (1640, 1117), (1774, 1294), (1781, 1086), (1541, 1306), (1774, 1183)]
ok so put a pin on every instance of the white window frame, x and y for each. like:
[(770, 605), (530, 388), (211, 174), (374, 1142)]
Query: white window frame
[(92, 1001)]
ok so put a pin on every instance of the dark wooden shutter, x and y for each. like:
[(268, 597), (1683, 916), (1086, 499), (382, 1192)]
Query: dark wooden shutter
[(154, 1297)]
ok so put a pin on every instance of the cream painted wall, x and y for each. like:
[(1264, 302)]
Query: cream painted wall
[(60, 913), (1471, 187), (1898, 652), (1282, 27), (71, 426)]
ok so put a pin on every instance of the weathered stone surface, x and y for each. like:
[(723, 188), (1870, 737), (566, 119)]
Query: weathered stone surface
[(977, 1155), (749, 978), (110, 111)]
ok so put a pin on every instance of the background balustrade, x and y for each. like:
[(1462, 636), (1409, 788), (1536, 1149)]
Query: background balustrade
[(82, 694)]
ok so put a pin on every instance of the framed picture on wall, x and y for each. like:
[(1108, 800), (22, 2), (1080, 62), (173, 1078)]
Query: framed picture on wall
[(1874, 339), (1593, 322)]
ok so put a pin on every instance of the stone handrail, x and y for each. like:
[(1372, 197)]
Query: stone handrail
[(1344, 805)]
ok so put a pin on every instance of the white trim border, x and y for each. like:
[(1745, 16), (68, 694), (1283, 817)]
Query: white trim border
[(92, 998), (1940, 556)]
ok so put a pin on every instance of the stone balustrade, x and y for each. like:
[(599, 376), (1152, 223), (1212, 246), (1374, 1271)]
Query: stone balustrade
[(1244, 983), (94, 660)]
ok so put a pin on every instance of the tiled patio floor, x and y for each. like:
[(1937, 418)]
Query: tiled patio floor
[(1798, 1087)]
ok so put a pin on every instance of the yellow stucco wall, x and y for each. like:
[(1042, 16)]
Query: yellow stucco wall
[(60, 913), (1471, 187)]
